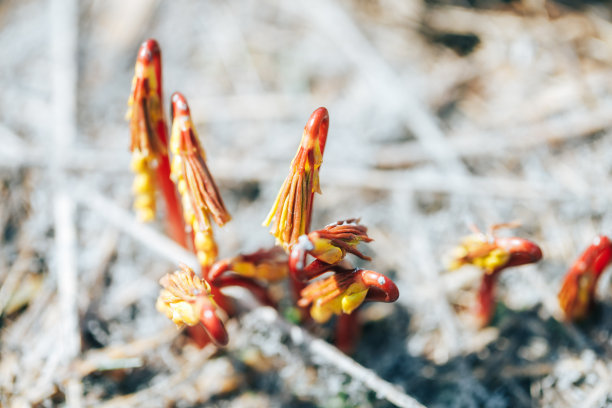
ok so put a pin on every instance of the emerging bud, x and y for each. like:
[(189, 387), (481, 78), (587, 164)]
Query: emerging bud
[(186, 300), (344, 291), (329, 246), (577, 292), (492, 255), (148, 127), (290, 215), (199, 193), (144, 105)]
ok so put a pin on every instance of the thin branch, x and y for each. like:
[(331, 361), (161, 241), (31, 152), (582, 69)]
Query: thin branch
[(335, 357), (122, 219), (64, 35)]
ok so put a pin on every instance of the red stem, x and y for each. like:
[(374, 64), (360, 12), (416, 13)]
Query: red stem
[(260, 292), (385, 289), (174, 217), (217, 269), (317, 125), (297, 264), (213, 325), (198, 335), (348, 331), (485, 306), (150, 53)]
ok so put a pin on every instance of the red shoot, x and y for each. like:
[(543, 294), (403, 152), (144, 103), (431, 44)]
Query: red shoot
[(577, 292)]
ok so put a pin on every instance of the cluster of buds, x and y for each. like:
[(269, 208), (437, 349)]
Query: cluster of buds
[(345, 290), (200, 196), (190, 300), (149, 140), (328, 246), (577, 293), (148, 127), (292, 209), (492, 254), (187, 300)]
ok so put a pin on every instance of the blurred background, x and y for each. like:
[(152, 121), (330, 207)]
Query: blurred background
[(443, 114)]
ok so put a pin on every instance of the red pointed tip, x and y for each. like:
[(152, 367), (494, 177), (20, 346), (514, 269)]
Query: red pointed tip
[(522, 251), (318, 125), (602, 248), (388, 291), (213, 325), (485, 306), (149, 51), (179, 106), (198, 335)]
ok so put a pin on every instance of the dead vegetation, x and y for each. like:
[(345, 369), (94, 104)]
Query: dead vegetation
[(442, 114)]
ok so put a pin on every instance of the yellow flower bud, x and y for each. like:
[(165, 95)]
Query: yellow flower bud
[(181, 186), (244, 268), (354, 297), (184, 313), (176, 167), (145, 201), (207, 258), (320, 313), (203, 241), (183, 297), (145, 214), (143, 183), (325, 251), (139, 162)]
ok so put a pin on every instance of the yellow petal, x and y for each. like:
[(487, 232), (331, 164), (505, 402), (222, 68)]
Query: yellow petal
[(143, 183), (207, 258), (144, 201), (139, 162), (352, 301), (325, 251), (183, 312), (244, 269), (163, 307), (145, 214), (320, 313)]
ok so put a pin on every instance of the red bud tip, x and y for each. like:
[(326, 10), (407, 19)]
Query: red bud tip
[(149, 51), (317, 126), (179, 106), (521, 251)]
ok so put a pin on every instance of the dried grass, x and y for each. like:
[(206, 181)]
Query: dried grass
[(441, 115)]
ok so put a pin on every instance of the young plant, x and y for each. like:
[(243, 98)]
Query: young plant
[(345, 291), (577, 293), (199, 193), (191, 300), (347, 288), (187, 300), (328, 246), (492, 255), (183, 297), (290, 215), (149, 141)]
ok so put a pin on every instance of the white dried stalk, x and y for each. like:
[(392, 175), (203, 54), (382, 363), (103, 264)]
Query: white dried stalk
[(125, 221), (329, 353), (64, 26)]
